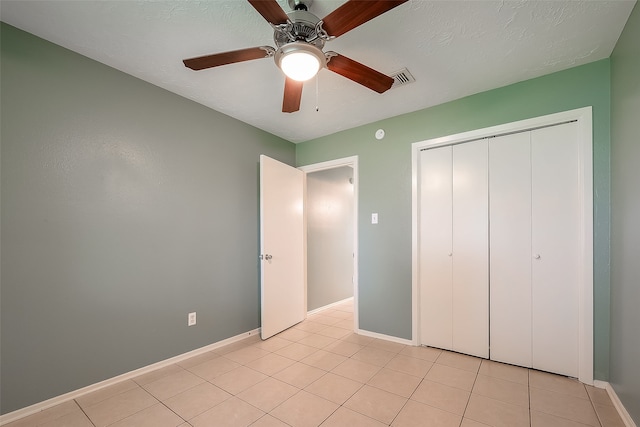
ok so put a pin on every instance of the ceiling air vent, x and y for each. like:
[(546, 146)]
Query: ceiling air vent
[(401, 78)]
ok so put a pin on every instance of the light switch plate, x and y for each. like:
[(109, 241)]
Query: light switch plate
[(374, 218)]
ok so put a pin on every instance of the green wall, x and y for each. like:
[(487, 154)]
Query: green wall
[(625, 213), (385, 186), (124, 207)]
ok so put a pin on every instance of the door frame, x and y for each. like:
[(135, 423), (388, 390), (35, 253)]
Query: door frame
[(583, 117), (332, 164)]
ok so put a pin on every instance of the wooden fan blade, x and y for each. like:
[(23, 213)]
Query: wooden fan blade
[(215, 60), (270, 10), (360, 73), (292, 95), (354, 13)]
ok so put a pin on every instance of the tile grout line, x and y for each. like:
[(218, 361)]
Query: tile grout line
[(470, 393), (529, 393), (593, 405), (174, 412), (85, 414)]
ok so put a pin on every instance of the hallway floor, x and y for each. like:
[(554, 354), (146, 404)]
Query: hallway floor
[(319, 373)]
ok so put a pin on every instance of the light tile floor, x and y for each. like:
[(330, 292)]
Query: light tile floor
[(319, 373)]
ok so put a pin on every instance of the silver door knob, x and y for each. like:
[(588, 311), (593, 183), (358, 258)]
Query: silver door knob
[(537, 256), (450, 254), (268, 257)]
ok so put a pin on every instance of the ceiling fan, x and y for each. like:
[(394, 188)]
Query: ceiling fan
[(300, 36)]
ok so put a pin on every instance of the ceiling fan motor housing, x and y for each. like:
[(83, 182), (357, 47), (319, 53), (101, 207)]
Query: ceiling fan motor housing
[(303, 28)]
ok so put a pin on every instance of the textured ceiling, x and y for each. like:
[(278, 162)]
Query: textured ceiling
[(452, 48)]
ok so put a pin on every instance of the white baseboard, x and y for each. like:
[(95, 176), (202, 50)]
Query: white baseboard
[(328, 306), (384, 337), (622, 411), (41, 406)]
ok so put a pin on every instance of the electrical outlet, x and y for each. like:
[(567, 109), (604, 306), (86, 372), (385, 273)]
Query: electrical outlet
[(192, 319)]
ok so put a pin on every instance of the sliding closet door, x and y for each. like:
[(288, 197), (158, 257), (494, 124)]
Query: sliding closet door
[(556, 242), (435, 247), (510, 261), (470, 282)]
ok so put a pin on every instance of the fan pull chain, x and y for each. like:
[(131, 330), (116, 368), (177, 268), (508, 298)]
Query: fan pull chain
[(317, 96)]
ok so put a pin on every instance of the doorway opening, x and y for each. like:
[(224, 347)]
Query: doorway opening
[(331, 224)]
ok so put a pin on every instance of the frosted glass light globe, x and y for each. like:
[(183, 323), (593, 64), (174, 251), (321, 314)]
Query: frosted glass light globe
[(300, 66)]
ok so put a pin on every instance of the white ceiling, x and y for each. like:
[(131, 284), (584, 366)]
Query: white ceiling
[(452, 48)]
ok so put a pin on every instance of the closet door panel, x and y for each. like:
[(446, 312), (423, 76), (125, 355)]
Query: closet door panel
[(435, 247), (510, 243), (556, 242), (470, 281)]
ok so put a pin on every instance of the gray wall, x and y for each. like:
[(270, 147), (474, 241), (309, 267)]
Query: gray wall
[(124, 207), (625, 212), (384, 186), (330, 204)]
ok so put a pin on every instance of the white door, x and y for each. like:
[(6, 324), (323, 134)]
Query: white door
[(535, 249), (510, 242), (282, 246), (556, 243), (435, 247), (470, 236), (454, 272), (540, 242)]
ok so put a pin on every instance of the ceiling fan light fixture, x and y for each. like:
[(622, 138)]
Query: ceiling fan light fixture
[(300, 66), (300, 61)]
